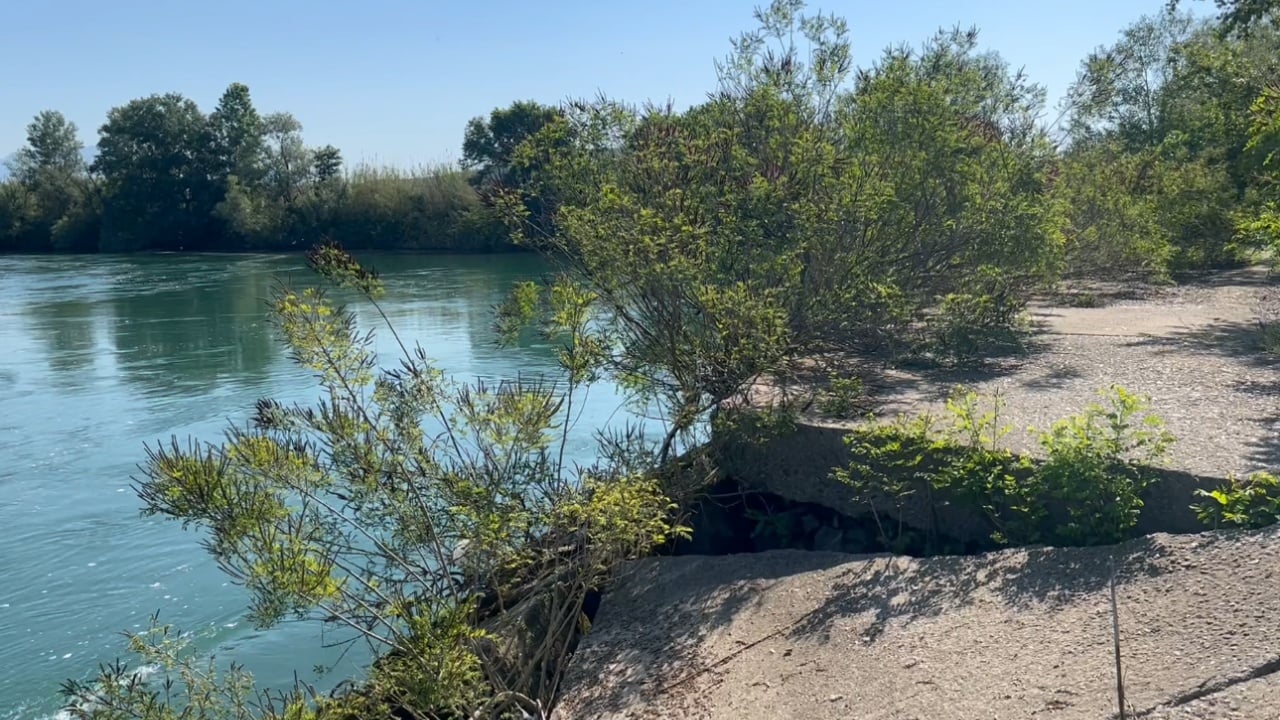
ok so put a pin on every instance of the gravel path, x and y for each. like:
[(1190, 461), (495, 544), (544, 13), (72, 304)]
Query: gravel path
[(1192, 349), (1014, 634)]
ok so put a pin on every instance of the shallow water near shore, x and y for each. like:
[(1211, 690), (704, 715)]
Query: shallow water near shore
[(103, 354)]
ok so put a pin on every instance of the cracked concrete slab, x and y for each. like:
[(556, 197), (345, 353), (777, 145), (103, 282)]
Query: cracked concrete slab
[(1016, 634)]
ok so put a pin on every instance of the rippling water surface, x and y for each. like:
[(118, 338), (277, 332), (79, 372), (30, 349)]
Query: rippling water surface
[(99, 355)]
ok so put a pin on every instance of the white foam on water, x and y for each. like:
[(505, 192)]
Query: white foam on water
[(142, 673)]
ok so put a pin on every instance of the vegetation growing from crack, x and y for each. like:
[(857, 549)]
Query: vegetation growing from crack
[(1087, 491), (1249, 502)]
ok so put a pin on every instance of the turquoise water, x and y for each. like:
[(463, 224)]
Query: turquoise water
[(99, 355)]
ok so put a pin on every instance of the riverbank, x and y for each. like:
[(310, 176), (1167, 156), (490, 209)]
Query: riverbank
[(748, 630), (106, 353)]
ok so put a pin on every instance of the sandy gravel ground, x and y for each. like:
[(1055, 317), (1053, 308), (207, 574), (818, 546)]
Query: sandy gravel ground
[(1015, 634), (1193, 349)]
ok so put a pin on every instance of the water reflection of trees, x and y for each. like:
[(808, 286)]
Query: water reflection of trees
[(191, 324), (67, 330), (194, 328), (447, 304)]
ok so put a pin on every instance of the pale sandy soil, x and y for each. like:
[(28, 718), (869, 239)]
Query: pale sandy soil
[(1014, 634)]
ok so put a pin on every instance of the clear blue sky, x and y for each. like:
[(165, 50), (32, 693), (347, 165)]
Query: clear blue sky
[(395, 81)]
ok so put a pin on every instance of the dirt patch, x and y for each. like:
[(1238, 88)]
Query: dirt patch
[(1014, 634)]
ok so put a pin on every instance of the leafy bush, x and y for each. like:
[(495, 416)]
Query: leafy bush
[(843, 398), (980, 319), (1098, 466), (1110, 224), (1087, 491), (434, 520), (1253, 502), (803, 209), (1263, 226), (887, 467), (1194, 202), (435, 209)]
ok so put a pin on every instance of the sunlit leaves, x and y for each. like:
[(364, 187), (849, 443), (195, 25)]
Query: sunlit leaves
[(1264, 137), (398, 502), (336, 265), (792, 214), (1249, 502), (1087, 490), (322, 338)]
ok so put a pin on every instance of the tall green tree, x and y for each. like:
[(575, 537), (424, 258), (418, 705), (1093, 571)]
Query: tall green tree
[(53, 148), (488, 146), (237, 138), (494, 151), (287, 160), (18, 219), (1119, 87), (58, 212), (1263, 225), (1172, 94), (794, 215), (159, 192), (1206, 104), (1242, 16), (326, 164)]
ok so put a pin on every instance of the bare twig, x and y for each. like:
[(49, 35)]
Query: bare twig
[(1115, 638)]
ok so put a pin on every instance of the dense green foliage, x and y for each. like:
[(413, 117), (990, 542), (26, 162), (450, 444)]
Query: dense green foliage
[(1160, 172), (489, 146), (168, 177), (800, 211), (1162, 163), (1087, 490)]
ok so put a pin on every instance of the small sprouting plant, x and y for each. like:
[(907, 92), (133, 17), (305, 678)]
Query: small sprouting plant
[(1098, 466), (1084, 300), (975, 428), (888, 459), (1251, 502), (1000, 483), (843, 397)]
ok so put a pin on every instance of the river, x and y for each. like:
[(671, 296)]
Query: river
[(99, 355)]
